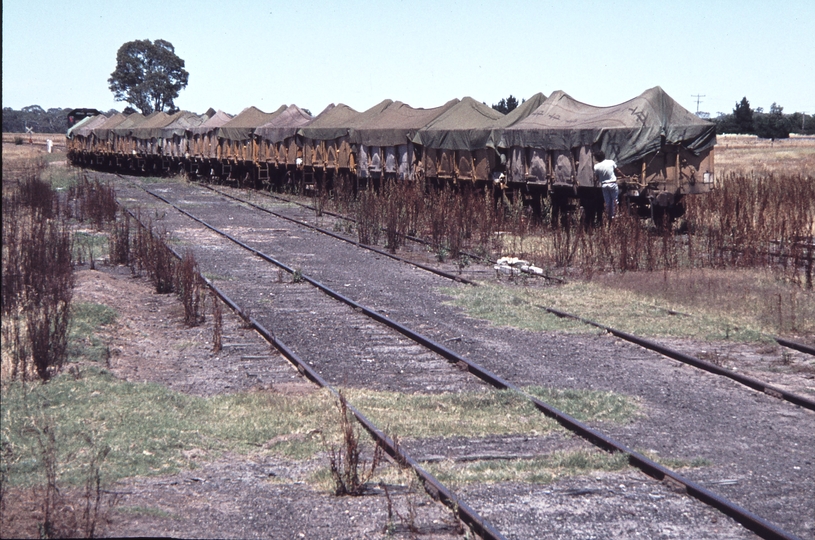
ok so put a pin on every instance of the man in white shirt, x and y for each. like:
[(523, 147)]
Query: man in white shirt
[(604, 171)]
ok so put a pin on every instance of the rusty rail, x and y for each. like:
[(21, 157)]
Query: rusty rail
[(437, 490), (751, 382), (352, 220), (751, 521), (344, 239)]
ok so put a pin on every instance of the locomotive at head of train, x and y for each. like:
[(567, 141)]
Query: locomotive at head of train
[(545, 147)]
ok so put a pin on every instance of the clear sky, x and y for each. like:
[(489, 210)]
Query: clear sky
[(422, 52)]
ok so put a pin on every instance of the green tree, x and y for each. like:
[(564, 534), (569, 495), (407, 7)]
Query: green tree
[(725, 123), (149, 75), (773, 125), (53, 120), (801, 123), (506, 105), (743, 116)]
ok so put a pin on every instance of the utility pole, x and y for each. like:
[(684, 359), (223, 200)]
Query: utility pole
[(698, 100), (803, 119)]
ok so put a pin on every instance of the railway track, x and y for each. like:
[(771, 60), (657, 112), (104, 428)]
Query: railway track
[(442, 273), (436, 489), (409, 237), (784, 342), (749, 520), (750, 382)]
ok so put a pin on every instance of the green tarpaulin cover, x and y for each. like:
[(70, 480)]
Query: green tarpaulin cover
[(284, 125), (217, 120), (84, 127), (105, 130), (625, 132), (243, 125), (130, 123), (183, 124), (332, 123), (465, 126), (337, 122), (518, 113), (151, 128), (396, 124)]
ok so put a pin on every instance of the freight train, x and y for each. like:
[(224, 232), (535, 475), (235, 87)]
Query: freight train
[(542, 149)]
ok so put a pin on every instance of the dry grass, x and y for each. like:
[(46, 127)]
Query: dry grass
[(34, 139), (743, 154), (748, 298), (741, 305)]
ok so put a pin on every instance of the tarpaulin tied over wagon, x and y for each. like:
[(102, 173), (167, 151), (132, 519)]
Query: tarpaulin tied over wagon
[(461, 142), (83, 127), (204, 143), (284, 125), (242, 127), (81, 136), (177, 134), (465, 126), (625, 132), (183, 124), (104, 130), (516, 115), (396, 124), (278, 138), (327, 142), (132, 121), (153, 126), (331, 123), (215, 121), (382, 141)]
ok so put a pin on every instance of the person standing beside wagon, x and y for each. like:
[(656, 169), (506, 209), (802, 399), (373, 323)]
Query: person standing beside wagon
[(604, 172)]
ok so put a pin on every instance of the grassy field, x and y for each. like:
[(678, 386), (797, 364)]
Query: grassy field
[(744, 305), (34, 141), (150, 430), (747, 153)]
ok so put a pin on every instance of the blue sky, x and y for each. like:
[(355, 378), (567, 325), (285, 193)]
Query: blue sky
[(422, 52)]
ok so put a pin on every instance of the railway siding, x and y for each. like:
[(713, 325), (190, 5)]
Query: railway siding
[(688, 414)]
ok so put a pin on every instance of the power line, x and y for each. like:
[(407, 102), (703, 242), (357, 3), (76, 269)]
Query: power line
[(698, 100)]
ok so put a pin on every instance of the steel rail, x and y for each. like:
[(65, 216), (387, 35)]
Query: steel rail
[(802, 347), (348, 240), (750, 382), (408, 236), (482, 527), (797, 345), (749, 520)]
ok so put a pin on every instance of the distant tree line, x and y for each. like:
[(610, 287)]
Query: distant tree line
[(54, 120), (35, 117), (767, 125)]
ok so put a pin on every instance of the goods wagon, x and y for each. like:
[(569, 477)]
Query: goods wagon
[(542, 149), (280, 152), (459, 145), (665, 151), (204, 148), (383, 143), (237, 145), (80, 136)]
